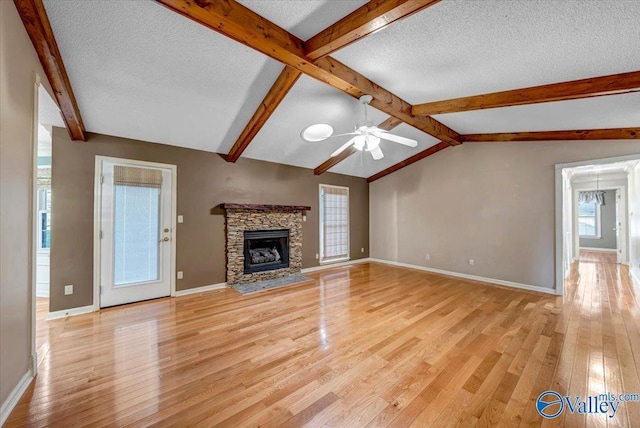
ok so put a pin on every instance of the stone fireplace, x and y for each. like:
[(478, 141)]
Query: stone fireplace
[(265, 250), (263, 241)]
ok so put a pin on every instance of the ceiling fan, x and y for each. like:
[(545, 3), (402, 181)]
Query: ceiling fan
[(367, 136)]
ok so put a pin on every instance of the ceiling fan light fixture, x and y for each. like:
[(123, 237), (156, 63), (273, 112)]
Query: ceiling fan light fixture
[(359, 142), (373, 142), (316, 132)]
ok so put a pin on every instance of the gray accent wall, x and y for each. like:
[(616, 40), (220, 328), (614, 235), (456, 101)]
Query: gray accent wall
[(18, 67), (608, 222), (490, 202)]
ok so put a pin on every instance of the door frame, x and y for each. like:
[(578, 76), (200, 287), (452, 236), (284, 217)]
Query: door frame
[(560, 249), (97, 217)]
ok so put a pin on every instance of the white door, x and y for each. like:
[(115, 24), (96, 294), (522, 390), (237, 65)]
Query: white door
[(136, 220), (618, 227)]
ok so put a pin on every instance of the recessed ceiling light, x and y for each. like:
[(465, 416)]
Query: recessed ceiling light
[(317, 132)]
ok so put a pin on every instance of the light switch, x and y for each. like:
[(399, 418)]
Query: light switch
[(68, 289), (180, 219), (180, 274)]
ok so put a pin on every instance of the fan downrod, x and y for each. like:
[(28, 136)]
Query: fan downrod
[(366, 99)]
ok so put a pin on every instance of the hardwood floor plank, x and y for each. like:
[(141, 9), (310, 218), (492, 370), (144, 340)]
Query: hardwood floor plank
[(365, 345)]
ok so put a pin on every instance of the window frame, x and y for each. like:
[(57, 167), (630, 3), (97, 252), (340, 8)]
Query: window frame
[(321, 256), (598, 222)]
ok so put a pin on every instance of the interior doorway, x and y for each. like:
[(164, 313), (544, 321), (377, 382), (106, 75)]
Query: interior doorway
[(46, 116), (593, 215)]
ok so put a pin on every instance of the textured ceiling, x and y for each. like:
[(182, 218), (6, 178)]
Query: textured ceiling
[(141, 71), (459, 47)]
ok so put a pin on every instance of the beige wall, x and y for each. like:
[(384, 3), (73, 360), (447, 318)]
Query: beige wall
[(491, 202), (204, 181), (18, 66)]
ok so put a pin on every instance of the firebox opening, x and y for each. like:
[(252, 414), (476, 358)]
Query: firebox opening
[(266, 250)]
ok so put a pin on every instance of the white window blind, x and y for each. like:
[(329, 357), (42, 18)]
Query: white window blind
[(334, 223), (136, 224)]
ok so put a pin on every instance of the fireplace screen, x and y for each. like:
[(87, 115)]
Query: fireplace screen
[(266, 250)]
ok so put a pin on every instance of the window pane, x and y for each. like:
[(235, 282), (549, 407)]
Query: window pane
[(136, 234), (334, 223), (587, 209), (587, 219)]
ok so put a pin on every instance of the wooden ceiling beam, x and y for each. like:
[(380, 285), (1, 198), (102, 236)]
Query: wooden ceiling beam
[(367, 19), (576, 89), (233, 20), (579, 135), (285, 81), (387, 125), (36, 22), (413, 159), (371, 17)]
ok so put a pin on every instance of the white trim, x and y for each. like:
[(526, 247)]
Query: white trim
[(14, 396), (71, 312), (607, 250), (471, 277), (33, 241), (328, 265), (97, 218), (320, 223), (202, 289), (634, 278)]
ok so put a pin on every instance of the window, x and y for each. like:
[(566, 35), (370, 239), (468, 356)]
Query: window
[(334, 223), (44, 219), (589, 219)]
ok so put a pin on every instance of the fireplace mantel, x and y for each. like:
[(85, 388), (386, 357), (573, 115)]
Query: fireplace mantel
[(262, 207)]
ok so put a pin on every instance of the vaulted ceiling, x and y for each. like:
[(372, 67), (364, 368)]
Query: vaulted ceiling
[(244, 78)]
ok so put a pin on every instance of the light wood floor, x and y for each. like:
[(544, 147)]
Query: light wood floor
[(367, 345)]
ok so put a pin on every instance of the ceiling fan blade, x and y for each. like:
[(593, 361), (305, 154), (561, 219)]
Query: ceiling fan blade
[(377, 153), (342, 148), (341, 135), (397, 139)]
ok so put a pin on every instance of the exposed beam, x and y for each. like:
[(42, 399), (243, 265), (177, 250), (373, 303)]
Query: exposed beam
[(583, 134), (240, 23), (285, 81), (387, 125), (585, 88), (367, 19), (371, 17), (334, 160), (36, 22), (413, 159)]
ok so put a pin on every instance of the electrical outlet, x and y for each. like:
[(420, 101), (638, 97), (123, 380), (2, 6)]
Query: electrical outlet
[(362, 250), (427, 257), (471, 262), (68, 289), (304, 218), (317, 256), (180, 219), (180, 274)]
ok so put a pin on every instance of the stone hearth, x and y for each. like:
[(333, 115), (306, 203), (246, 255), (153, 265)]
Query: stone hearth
[(247, 217)]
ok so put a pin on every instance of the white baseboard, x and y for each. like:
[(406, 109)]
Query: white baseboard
[(471, 277), (604, 250), (201, 289), (14, 397), (334, 265), (71, 312)]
